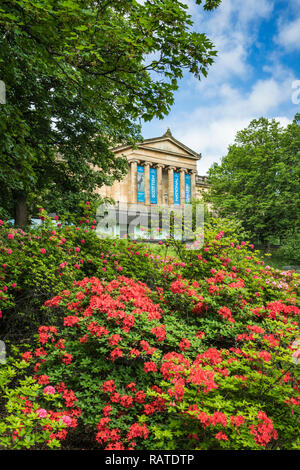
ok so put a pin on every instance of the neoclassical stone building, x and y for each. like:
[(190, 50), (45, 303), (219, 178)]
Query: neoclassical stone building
[(162, 173)]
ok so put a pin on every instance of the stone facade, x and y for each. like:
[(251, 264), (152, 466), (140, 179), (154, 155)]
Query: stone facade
[(157, 191), (167, 155)]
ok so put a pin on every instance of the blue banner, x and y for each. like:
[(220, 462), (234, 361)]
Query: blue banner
[(187, 188), (176, 178), (153, 186), (140, 184)]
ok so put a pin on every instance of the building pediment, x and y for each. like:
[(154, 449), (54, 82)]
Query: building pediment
[(165, 144)]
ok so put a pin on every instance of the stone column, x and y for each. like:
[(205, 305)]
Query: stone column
[(147, 183), (193, 184), (108, 191), (132, 186), (182, 187), (171, 185), (160, 195)]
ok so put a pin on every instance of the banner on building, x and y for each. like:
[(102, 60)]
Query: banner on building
[(187, 188), (153, 186), (140, 184), (176, 178)]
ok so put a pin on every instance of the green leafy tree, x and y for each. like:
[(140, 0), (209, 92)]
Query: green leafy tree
[(80, 76), (258, 181)]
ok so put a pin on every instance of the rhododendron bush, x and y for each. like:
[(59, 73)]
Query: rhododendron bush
[(136, 350), (25, 425), (136, 371), (36, 264)]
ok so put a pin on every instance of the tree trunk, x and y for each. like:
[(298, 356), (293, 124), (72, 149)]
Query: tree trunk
[(20, 208)]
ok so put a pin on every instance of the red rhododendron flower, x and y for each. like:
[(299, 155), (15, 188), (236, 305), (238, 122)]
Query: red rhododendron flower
[(225, 312), (159, 332), (71, 321), (67, 359), (27, 356), (221, 436), (150, 367), (264, 431), (43, 379), (184, 344), (114, 339), (116, 353), (137, 430), (109, 386), (140, 396)]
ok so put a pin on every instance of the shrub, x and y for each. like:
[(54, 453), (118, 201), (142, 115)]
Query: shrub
[(36, 264), (175, 368), (222, 249), (143, 351), (24, 424), (290, 248)]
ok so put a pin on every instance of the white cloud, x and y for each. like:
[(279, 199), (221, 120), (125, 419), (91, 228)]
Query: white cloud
[(267, 94), (283, 120), (289, 35), (233, 29), (230, 62), (234, 16), (225, 109), (236, 91), (254, 9), (211, 128)]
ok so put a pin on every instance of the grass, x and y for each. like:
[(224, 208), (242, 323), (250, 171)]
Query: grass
[(277, 261)]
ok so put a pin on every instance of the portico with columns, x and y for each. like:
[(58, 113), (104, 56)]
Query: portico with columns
[(162, 165)]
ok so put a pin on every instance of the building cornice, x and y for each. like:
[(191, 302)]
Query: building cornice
[(166, 137)]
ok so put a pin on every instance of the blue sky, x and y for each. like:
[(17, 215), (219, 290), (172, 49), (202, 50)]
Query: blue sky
[(258, 43)]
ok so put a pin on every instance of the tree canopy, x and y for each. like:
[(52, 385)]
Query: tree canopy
[(258, 180), (80, 76)]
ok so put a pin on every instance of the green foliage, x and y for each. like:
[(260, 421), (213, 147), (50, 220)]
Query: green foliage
[(202, 354), (79, 77), (35, 264), (258, 181), (198, 366), (290, 247), (21, 427)]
